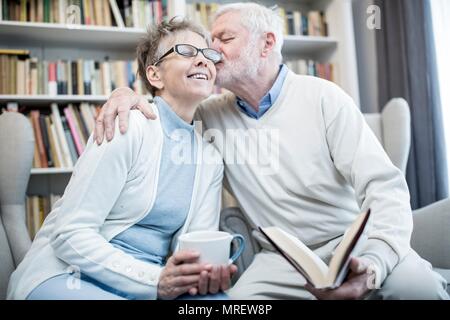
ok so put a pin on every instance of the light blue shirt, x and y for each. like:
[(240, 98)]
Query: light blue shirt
[(268, 100), (150, 238)]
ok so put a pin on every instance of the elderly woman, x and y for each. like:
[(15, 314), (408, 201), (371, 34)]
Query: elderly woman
[(129, 200)]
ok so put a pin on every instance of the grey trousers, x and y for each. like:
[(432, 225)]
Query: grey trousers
[(270, 276)]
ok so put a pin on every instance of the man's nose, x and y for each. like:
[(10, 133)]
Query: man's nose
[(216, 45)]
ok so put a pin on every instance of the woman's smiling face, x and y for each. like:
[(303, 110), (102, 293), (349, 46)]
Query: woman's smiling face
[(181, 77)]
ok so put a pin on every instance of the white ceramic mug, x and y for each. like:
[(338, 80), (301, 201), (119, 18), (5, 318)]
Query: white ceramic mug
[(214, 246)]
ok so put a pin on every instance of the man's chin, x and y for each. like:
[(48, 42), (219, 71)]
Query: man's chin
[(222, 80)]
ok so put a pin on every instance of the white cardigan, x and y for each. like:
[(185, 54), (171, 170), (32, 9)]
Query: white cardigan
[(112, 187)]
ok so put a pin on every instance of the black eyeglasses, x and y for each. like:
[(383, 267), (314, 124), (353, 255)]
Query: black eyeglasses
[(187, 50)]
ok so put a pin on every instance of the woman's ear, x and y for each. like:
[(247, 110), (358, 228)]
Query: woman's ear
[(269, 43), (154, 77)]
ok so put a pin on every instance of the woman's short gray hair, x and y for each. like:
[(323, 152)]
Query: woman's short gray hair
[(257, 19), (150, 47)]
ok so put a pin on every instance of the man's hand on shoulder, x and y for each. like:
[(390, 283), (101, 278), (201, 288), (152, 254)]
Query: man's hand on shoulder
[(121, 101)]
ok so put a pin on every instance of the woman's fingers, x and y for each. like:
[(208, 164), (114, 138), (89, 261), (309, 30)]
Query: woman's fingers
[(182, 281), (203, 283), (214, 280), (225, 278), (178, 291), (233, 269), (180, 257), (189, 268), (193, 291)]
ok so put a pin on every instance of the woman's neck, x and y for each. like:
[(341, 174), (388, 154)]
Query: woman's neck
[(184, 109)]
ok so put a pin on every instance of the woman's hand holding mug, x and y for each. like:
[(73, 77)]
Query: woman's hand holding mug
[(215, 250), (181, 273)]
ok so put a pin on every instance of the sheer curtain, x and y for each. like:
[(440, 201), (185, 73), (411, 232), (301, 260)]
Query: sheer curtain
[(441, 26)]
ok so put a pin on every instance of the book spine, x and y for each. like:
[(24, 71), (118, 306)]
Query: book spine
[(52, 79), (106, 13), (61, 136), (80, 79), (59, 160), (36, 159), (81, 125), (62, 6), (75, 135), (38, 136), (87, 77), (87, 117), (116, 13), (74, 69), (55, 155), (70, 140), (46, 141)]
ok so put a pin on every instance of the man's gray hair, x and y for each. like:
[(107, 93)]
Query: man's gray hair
[(257, 19)]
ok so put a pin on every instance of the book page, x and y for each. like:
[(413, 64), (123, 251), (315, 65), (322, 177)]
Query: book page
[(340, 259), (299, 254)]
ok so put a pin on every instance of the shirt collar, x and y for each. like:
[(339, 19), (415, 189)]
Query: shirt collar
[(170, 121), (269, 98)]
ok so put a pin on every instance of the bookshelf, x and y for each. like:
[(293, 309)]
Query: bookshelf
[(68, 36), (40, 100), (56, 41), (45, 171)]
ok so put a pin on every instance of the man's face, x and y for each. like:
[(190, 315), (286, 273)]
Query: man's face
[(239, 50)]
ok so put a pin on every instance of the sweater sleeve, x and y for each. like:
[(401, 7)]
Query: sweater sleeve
[(378, 184), (97, 181)]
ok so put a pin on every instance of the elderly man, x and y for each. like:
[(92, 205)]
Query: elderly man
[(326, 167)]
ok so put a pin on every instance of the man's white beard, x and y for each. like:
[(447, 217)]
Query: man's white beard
[(243, 68)]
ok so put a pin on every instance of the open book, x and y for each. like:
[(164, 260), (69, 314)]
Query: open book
[(309, 264)]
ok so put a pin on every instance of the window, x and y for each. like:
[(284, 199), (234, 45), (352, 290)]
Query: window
[(441, 25)]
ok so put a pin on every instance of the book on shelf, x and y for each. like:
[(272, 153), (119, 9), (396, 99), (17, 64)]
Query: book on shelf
[(37, 209), (111, 13), (295, 22), (25, 75), (312, 68), (309, 265), (61, 132)]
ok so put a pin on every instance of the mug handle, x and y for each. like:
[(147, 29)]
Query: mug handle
[(241, 247)]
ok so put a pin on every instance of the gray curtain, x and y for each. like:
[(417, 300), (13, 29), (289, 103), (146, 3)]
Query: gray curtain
[(407, 68)]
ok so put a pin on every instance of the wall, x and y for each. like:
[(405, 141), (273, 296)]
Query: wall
[(365, 42)]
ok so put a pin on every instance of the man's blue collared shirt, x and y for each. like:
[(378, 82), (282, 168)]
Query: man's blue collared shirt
[(268, 100)]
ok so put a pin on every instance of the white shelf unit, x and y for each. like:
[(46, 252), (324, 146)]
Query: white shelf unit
[(111, 38), (44, 171), (37, 100), (58, 41), (123, 39)]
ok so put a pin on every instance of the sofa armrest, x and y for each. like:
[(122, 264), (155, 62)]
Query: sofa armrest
[(431, 234), (233, 221)]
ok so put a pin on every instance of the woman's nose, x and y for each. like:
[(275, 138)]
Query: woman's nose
[(200, 60)]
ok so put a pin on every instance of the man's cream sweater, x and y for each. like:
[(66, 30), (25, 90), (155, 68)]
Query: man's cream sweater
[(324, 167)]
